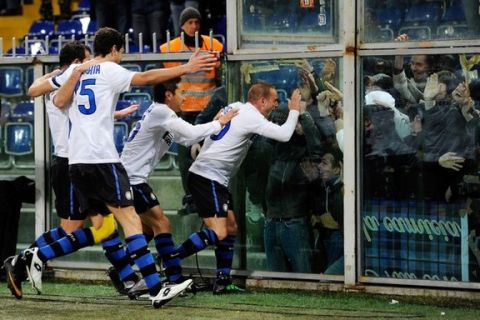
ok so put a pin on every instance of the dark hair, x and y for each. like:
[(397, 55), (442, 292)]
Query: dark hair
[(105, 39), (449, 79), (474, 87), (160, 89), (258, 91), (70, 52)]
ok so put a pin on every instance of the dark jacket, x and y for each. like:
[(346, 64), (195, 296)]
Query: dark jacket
[(287, 193)]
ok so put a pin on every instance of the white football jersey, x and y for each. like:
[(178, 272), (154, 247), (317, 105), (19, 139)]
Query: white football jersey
[(222, 154), (59, 126), (91, 113), (58, 118), (152, 137)]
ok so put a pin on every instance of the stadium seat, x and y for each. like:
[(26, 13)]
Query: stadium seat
[(120, 135), (421, 19), (151, 66), (137, 97), (309, 22), (84, 5), (388, 22), (11, 81), (18, 138), (18, 51), (283, 22), (283, 77), (69, 29), (132, 67), (23, 111), (41, 28), (252, 22), (28, 77), (92, 27), (5, 159), (453, 24)]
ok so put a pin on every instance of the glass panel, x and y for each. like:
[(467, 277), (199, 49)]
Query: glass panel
[(282, 22), (420, 184), (290, 198), (17, 166), (384, 20)]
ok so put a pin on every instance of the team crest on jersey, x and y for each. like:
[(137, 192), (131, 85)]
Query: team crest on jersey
[(128, 195), (152, 196), (225, 207)]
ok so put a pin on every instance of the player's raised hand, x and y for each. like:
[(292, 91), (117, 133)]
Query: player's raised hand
[(224, 118), (204, 62), (294, 101)]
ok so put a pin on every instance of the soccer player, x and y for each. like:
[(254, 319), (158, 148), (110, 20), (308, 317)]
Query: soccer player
[(147, 144), (219, 159), (100, 181), (66, 203)]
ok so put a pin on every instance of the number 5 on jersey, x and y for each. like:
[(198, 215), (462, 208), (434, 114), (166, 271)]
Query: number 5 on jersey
[(86, 91)]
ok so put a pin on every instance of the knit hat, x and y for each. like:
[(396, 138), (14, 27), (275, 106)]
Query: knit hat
[(189, 13)]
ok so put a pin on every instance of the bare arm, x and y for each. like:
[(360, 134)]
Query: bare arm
[(188, 134), (64, 95), (126, 112), (195, 64), (41, 85)]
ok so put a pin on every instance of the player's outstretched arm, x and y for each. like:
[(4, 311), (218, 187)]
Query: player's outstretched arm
[(197, 62), (65, 93)]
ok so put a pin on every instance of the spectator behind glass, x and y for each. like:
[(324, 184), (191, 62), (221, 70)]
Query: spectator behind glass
[(411, 89), (148, 17), (447, 131), (327, 218), (197, 88), (176, 8), (287, 226)]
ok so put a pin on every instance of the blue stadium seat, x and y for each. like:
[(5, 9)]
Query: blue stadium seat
[(389, 18), (424, 12), (132, 67), (18, 51), (283, 22), (453, 23), (69, 29), (120, 135), (28, 77), (18, 138), (142, 89), (137, 97), (284, 78), (84, 5), (11, 81), (309, 22), (421, 19), (23, 111), (92, 27), (173, 150), (41, 28), (252, 22)]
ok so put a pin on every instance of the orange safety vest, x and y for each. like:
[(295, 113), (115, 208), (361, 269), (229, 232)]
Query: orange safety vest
[(197, 88)]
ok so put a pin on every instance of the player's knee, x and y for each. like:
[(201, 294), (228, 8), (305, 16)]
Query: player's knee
[(105, 230)]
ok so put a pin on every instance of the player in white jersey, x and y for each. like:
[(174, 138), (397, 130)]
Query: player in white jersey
[(100, 181), (219, 159), (148, 142), (66, 204)]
